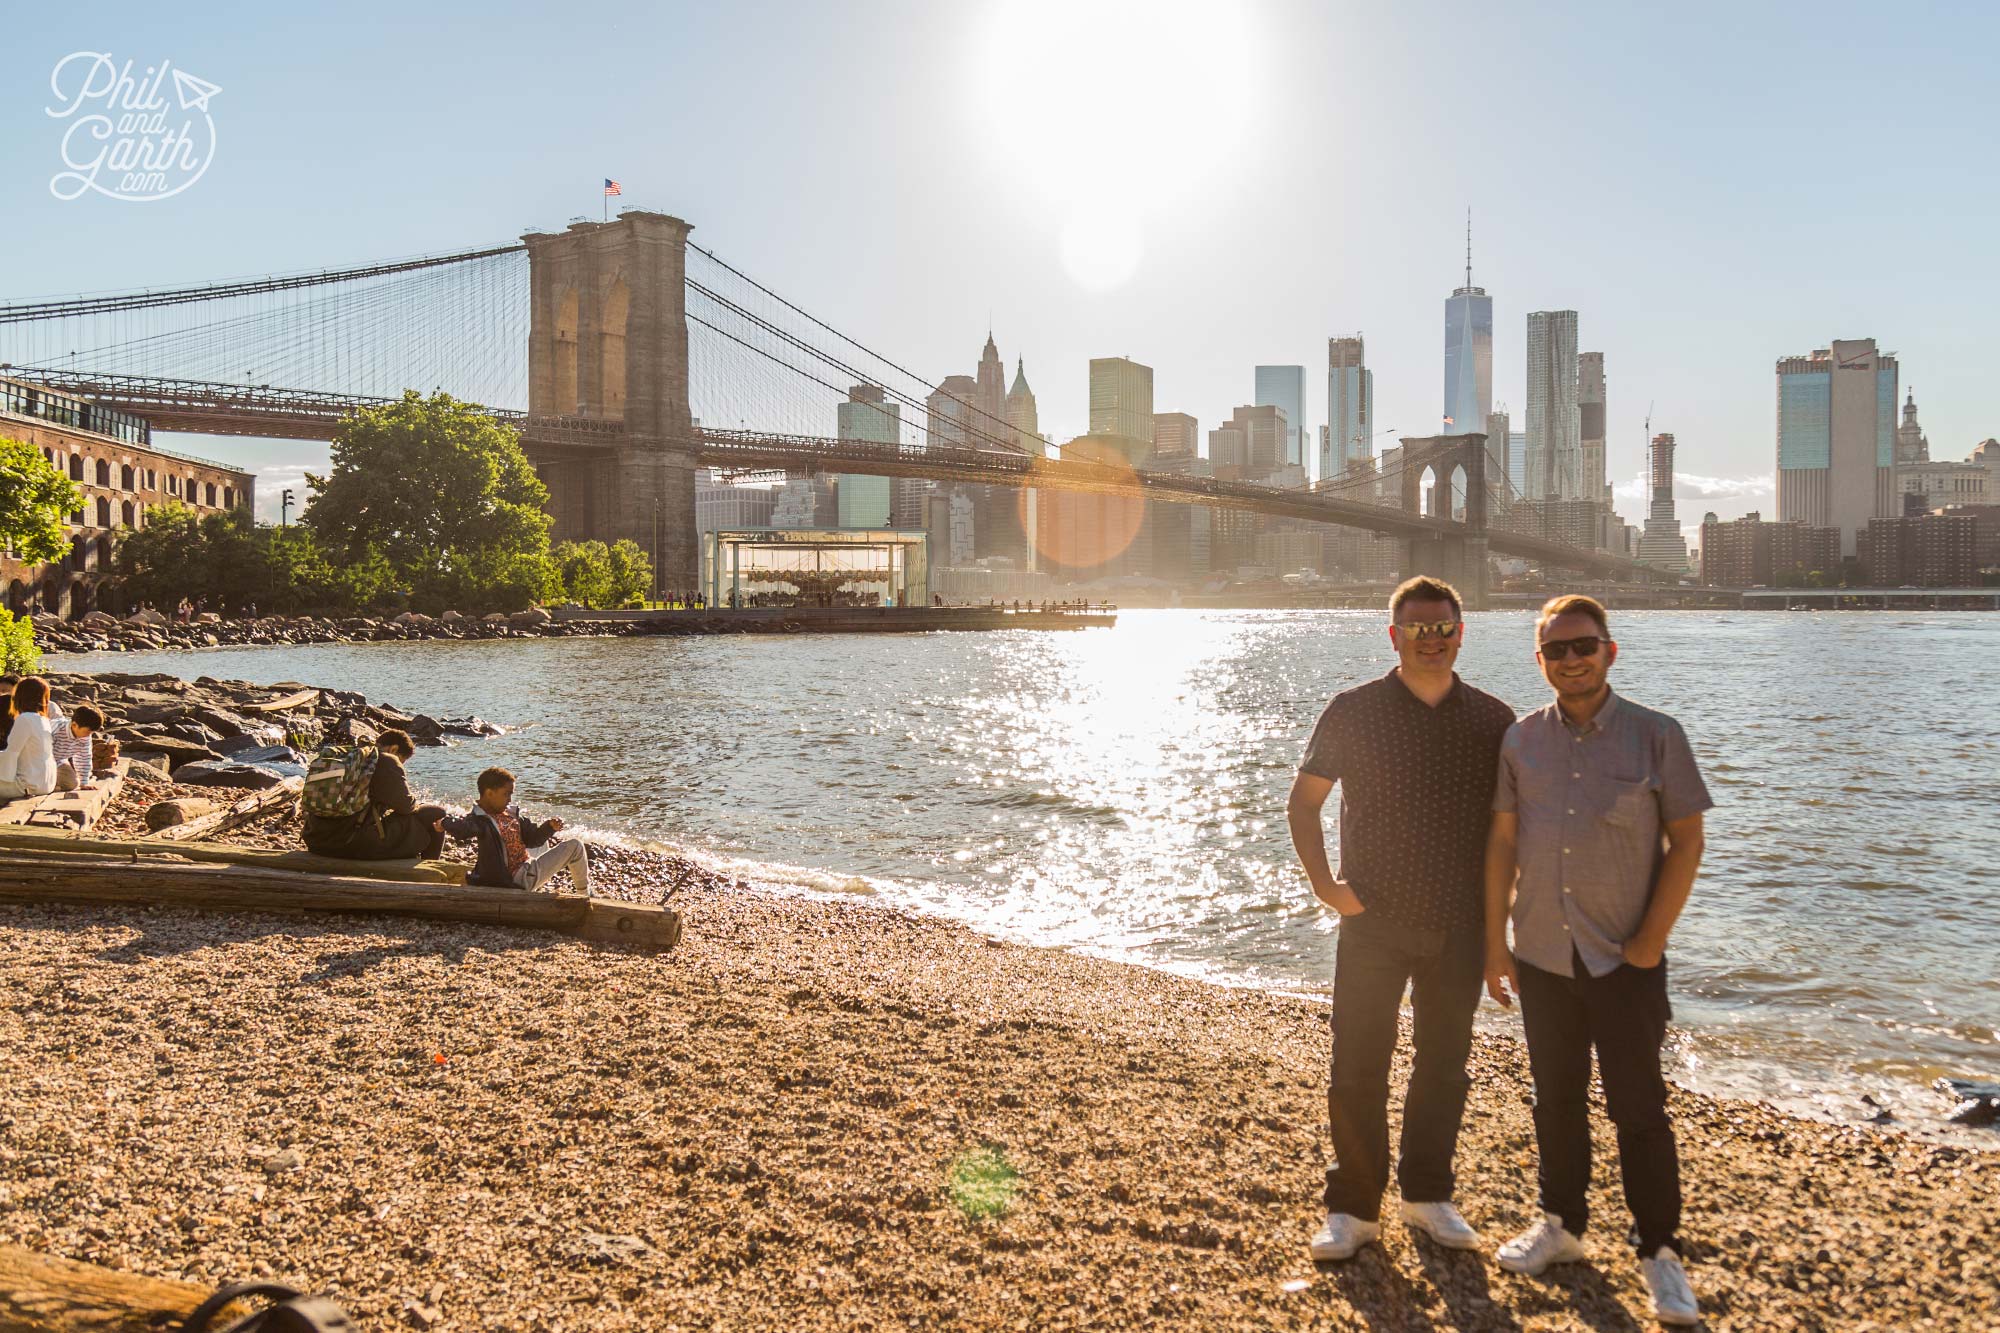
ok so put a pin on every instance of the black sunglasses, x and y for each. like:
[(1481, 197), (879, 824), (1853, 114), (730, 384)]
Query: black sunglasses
[(1555, 650)]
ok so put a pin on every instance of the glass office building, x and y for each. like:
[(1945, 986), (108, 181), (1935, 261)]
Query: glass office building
[(1284, 387), (824, 567), (1837, 438), (1350, 401), (1468, 359)]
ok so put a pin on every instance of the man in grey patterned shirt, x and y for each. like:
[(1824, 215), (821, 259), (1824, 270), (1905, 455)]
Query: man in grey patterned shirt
[(1596, 838)]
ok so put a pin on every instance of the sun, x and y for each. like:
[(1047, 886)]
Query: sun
[(1104, 114)]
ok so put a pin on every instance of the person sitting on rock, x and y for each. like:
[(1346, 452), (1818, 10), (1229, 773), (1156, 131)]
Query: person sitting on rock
[(394, 826), (505, 837), (28, 764), (70, 742)]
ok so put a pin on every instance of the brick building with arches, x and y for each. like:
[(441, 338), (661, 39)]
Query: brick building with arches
[(111, 458)]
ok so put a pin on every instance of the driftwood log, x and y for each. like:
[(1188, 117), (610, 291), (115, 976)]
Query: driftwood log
[(54, 842), (288, 703), (166, 814), (43, 1294), (251, 808), (144, 881)]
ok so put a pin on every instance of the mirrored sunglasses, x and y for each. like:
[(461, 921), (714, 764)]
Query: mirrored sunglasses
[(1430, 629)]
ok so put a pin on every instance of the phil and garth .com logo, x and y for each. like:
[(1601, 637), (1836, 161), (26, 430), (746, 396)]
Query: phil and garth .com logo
[(125, 138)]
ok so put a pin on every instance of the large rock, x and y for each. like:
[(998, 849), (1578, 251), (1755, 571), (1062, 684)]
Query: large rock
[(1978, 1102), (414, 619), (229, 773), (352, 731), (145, 618), (532, 618)]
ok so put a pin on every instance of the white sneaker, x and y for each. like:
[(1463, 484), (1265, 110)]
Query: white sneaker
[(1443, 1223), (1673, 1298), (1342, 1236), (1547, 1242)]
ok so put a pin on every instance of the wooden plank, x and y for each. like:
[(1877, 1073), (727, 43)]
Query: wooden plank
[(286, 703), (75, 879), (69, 809), (403, 871), (40, 1293), (252, 807)]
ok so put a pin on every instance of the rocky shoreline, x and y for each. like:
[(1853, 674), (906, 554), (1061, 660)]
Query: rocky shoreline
[(148, 631)]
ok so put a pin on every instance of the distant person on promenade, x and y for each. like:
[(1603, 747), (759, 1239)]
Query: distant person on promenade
[(28, 763), (1414, 752), (506, 839), (1588, 787), (393, 826)]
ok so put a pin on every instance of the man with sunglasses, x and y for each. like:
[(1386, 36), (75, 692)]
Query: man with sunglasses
[(1415, 754), (1596, 837)]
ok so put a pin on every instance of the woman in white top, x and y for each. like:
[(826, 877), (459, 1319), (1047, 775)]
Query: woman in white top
[(28, 764)]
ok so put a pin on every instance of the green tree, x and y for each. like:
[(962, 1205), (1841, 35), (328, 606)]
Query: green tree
[(227, 561), (584, 569), (442, 492), (631, 573), (35, 498)]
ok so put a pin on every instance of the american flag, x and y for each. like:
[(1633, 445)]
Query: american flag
[(612, 187), (1447, 421)]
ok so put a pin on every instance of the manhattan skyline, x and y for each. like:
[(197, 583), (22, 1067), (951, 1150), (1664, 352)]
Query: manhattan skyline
[(1719, 241)]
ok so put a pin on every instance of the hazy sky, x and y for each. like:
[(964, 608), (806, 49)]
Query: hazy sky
[(1202, 188)]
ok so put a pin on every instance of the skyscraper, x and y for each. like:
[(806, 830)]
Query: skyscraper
[(1176, 436), (1121, 399), (1663, 544), (1552, 416), (990, 399), (1590, 427), (1499, 473), (1284, 387), (862, 501), (1837, 438), (1350, 402), (1468, 352), (1261, 429)]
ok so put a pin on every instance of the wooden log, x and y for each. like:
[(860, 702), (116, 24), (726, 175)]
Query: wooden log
[(284, 703), (40, 1293), (148, 882), (252, 807), (406, 871), (166, 814)]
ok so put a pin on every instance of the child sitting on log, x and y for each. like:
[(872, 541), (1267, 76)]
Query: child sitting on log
[(505, 837)]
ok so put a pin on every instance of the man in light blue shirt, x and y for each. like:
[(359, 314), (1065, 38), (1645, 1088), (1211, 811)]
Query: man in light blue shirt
[(1596, 838)]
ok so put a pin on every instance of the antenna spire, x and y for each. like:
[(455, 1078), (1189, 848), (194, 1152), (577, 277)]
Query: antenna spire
[(1468, 245)]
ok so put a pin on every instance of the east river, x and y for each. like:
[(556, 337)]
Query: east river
[(1122, 791)]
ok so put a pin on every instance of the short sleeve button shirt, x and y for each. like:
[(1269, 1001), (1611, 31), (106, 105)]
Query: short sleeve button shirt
[(1416, 794), (1591, 801)]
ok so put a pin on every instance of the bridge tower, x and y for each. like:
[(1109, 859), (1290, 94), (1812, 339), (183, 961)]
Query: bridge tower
[(1459, 560), (608, 342)]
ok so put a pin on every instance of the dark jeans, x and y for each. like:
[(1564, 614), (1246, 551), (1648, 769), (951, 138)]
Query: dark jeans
[(394, 837), (1622, 1014), (1377, 959)]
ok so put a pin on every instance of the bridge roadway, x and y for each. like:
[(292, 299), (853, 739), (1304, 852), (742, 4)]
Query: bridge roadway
[(214, 408)]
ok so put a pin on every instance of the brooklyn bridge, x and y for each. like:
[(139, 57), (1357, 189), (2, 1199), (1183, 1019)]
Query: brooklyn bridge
[(628, 356)]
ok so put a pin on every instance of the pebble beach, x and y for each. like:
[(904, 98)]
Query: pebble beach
[(829, 1115)]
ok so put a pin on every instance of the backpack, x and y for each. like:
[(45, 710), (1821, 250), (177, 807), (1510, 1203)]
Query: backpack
[(337, 782)]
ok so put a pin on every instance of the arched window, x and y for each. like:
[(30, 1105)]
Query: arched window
[(103, 512), (79, 548), (208, 495), (103, 472), (76, 467), (125, 477), (191, 488), (228, 497), (125, 513), (104, 551)]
